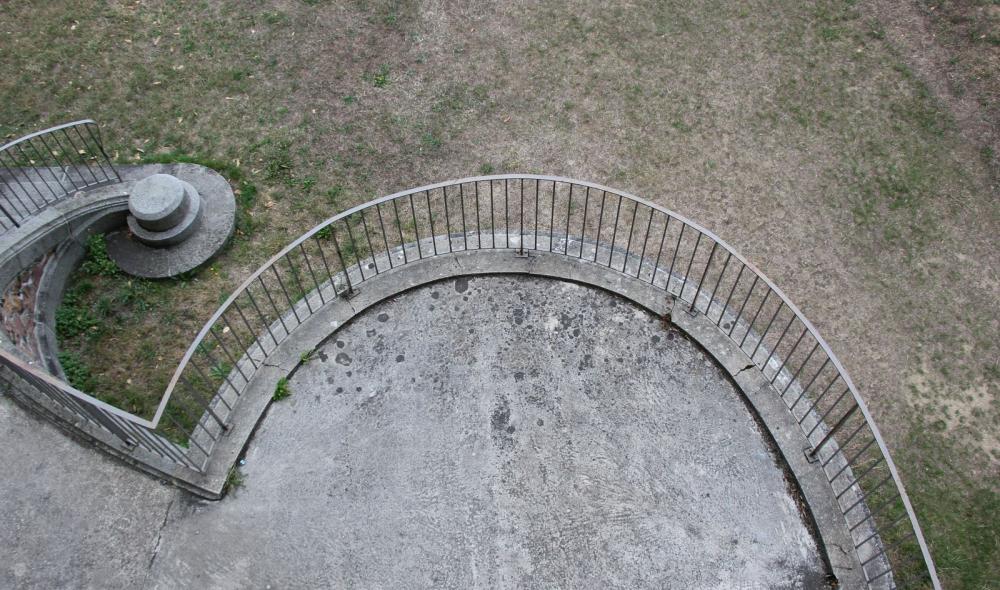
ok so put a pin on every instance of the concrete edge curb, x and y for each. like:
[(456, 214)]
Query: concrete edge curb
[(791, 444)]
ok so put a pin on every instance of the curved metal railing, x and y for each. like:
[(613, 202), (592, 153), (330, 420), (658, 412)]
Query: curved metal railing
[(47, 166), (589, 222)]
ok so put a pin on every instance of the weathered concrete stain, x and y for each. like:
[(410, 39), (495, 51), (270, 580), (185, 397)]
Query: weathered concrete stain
[(464, 449)]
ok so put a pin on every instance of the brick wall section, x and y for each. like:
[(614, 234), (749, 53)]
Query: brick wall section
[(18, 309)]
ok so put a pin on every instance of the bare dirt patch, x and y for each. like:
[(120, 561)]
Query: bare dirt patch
[(954, 46)]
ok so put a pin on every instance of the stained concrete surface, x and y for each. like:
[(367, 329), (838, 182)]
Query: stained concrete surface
[(485, 432), (70, 516), (500, 432)]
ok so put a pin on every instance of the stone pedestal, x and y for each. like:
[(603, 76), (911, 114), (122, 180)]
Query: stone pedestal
[(164, 210), (175, 223)]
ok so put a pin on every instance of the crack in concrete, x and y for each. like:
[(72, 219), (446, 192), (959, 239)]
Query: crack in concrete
[(846, 566), (750, 366), (159, 540)]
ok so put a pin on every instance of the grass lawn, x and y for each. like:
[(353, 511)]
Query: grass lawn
[(794, 130)]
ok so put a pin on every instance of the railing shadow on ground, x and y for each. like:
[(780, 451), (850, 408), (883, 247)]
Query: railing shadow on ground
[(524, 214)]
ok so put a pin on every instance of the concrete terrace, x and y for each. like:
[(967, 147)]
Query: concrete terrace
[(497, 431)]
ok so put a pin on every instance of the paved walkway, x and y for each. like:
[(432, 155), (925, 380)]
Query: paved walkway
[(486, 432), (70, 516)]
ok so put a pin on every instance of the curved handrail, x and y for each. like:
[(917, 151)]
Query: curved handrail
[(221, 360), (34, 134), (47, 166)]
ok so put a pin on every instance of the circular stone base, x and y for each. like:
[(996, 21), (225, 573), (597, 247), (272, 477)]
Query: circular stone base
[(218, 218)]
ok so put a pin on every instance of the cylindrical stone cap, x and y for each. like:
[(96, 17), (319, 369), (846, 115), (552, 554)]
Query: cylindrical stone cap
[(157, 202)]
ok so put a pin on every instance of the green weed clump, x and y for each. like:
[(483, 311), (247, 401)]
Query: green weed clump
[(98, 263), (73, 318), (234, 479), (381, 77), (281, 390), (77, 372)]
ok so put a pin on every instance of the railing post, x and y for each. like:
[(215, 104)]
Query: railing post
[(9, 216), (840, 424), (701, 281)]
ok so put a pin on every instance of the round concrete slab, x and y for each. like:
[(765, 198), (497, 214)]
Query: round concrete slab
[(216, 224), (502, 432)]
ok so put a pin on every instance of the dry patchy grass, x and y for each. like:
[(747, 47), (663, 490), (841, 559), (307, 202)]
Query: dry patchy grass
[(794, 130)]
